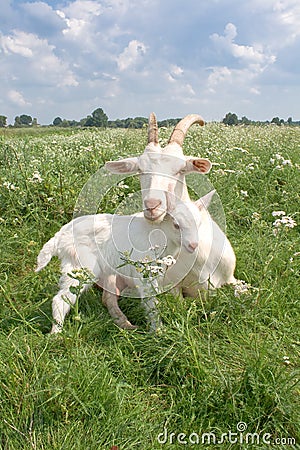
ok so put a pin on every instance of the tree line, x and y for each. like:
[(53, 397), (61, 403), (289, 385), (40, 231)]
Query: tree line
[(98, 118), (232, 119)]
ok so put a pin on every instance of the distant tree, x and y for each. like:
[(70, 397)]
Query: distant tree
[(17, 121), (25, 119), (231, 119), (89, 121), (290, 121), (99, 118), (34, 122), (57, 121), (139, 122), (3, 120), (245, 120), (276, 120), (65, 123)]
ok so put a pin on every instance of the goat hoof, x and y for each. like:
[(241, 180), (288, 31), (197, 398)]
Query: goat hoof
[(127, 325)]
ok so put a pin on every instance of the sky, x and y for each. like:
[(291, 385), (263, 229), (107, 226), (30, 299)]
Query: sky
[(132, 57)]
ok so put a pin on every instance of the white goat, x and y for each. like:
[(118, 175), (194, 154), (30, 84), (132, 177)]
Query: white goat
[(214, 262), (96, 242), (162, 171)]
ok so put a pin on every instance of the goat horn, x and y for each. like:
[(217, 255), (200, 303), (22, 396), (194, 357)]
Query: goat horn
[(182, 127), (152, 129)]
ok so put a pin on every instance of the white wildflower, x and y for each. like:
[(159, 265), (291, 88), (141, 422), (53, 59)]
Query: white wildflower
[(244, 193), (286, 162), (256, 216), (278, 213), (10, 186), (155, 269), (250, 167), (240, 288), (284, 222), (288, 222), (168, 260), (36, 177), (279, 157)]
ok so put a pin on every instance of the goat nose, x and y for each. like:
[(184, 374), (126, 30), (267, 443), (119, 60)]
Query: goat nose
[(152, 203), (193, 245)]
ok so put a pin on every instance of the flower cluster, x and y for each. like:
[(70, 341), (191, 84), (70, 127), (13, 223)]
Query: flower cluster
[(36, 177), (10, 186), (240, 288), (280, 161), (148, 267), (283, 222)]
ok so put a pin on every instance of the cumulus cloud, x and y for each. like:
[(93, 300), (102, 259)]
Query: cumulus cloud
[(17, 98), (78, 17), (131, 55), (250, 54), (18, 43), (43, 65)]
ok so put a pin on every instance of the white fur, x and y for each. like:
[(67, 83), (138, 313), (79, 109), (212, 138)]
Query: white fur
[(96, 242)]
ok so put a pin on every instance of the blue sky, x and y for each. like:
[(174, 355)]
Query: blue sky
[(131, 57)]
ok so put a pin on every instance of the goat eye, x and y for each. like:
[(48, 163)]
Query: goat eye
[(176, 226)]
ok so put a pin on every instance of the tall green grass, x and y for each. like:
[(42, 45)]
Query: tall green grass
[(216, 363)]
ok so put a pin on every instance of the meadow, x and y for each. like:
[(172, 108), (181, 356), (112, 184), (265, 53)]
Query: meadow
[(221, 365)]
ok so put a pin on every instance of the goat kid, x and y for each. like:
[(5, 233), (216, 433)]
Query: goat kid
[(96, 242), (214, 262)]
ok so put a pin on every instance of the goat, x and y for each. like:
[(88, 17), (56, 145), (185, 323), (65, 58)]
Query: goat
[(214, 262), (162, 171), (96, 242)]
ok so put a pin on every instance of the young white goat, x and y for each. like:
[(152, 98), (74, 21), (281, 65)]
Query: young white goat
[(214, 260), (96, 242)]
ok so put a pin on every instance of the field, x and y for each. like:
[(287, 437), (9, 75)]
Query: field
[(227, 364)]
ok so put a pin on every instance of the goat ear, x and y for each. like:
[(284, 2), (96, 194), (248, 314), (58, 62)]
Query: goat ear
[(127, 165), (204, 201), (200, 165)]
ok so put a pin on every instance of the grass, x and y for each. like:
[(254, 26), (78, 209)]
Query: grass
[(215, 364)]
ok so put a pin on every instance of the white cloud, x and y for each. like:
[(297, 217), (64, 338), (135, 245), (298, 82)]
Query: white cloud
[(17, 98), (43, 65), (131, 55), (78, 17), (250, 54), (19, 43)]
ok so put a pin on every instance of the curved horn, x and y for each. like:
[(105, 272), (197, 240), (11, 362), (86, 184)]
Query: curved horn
[(182, 127), (152, 129)]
